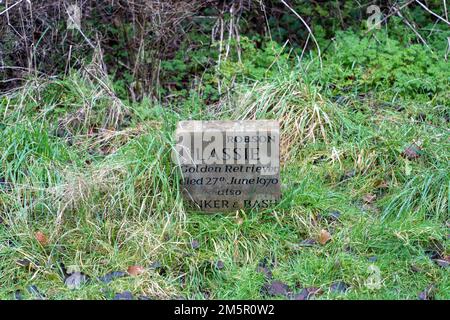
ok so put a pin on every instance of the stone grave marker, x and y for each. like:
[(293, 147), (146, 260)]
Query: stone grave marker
[(229, 165)]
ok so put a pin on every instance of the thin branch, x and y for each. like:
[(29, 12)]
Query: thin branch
[(9, 8), (448, 49), (78, 27), (414, 30), (431, 12), (309, 30), (445, 9)]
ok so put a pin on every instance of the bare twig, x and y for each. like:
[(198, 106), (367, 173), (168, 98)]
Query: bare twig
[(445, 9), (79, 29), (309, 30), (448, 49), (414, 30), (12, 6), (431, 12)]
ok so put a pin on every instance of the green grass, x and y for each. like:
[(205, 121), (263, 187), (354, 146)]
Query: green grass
[(94, 174)]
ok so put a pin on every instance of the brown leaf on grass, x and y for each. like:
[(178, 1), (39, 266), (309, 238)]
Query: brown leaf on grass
[(306, 293), (412, 152), (369, 198), (220, 265), (339, 287), (195, 244), (383, 184), (75, 280), (348, 175), (277, 288), (25, 263), (308, 243), (41, 238), (135, 270), (126, 295), (110, 276), (324, 236), (428, 293), (444, 262)]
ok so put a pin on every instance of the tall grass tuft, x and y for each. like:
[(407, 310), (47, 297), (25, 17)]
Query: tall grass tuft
[(304, 115), (428, 193)]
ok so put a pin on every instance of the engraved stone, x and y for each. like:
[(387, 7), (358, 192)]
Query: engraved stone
[(229, 165)]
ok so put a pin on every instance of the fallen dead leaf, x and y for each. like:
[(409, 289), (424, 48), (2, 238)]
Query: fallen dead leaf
[(324, 236), (18, 295), (75, 280), (195, 244), (262, 268), (339, 287), (41, 238), (155, 265), (306, 293), (348, 175), (135, 270), (412, 152), (110, 276), (444, 262), (276, 288), (126, 295), (308, 243), (369, 198), (428, 293), (24, 263), (35, 292), (383, 184), (220, 265)]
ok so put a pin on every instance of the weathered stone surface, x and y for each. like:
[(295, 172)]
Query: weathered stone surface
[(229, 165)]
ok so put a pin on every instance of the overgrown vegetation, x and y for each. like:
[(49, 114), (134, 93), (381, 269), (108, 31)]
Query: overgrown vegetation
[(87, 186)]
